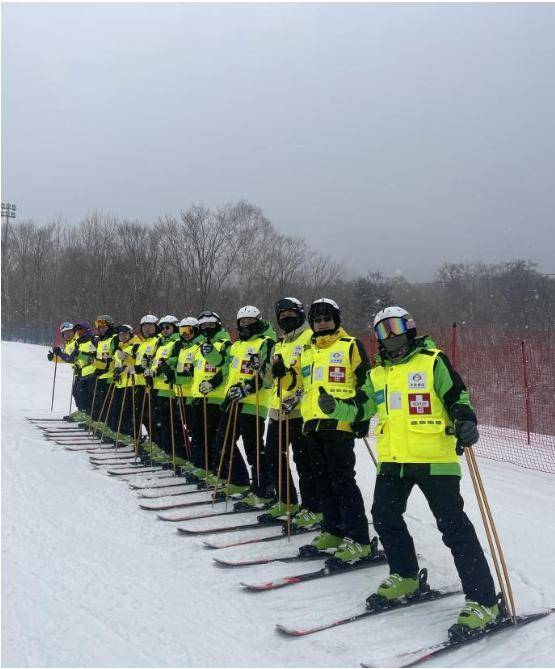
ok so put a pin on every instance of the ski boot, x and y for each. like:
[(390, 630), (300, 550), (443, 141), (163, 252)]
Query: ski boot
[(305, 519), (252, 502), (233, 489), (278, 511), (324, 542), (350, 551), (474, 620), (400, 591), (393, 590)]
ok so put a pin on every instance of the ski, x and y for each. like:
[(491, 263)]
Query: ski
[(229, 528), (152, 485), (217, 514), (47, 420), (331, 569), (244, 542), (112, 457), (320, 555), (169, 491), (127, 471), (379, 606), (427, 653), (180, 505), (90, 447)]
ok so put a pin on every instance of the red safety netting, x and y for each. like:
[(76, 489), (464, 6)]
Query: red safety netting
[(510, 376)]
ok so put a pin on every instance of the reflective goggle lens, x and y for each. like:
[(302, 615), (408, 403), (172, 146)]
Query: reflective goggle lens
[(100, 323), (186, 330), (390, 326)]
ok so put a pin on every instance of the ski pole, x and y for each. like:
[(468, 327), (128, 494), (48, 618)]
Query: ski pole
[(150, 422), (170, 405), (54, 384), (231, 452), (108, 410), (370, 451), (222, 454), (182, 416), (133, 407), (121, 415), (99, 420), (280, 439), (205, 421), (71, 391), (490, 528), (288, 475), (140, 431), (89, 434)]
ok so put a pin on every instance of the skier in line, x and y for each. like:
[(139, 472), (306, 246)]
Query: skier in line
[(425, 419), (106, 342), (143, 358), (190, 340), (208, 382), (334, 367), (82, 357), (57, 354), (248, 356), (291, 318), (161, 375), (124, 365)]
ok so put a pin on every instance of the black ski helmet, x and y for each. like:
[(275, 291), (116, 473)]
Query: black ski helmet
[(291, 322), (324, 307)]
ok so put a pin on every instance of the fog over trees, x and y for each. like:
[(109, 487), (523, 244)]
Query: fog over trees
[(225, 257)]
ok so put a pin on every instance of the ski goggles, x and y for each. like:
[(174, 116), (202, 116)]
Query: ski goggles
[(186, 330), (66, 326), (100, 322), (390, 326)]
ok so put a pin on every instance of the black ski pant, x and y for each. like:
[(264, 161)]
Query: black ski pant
[(161, 425), (123, 402), (196, 420), (83, 390), (443, 496), (299, 446), (332, 457), (102, 386), (246, 429)]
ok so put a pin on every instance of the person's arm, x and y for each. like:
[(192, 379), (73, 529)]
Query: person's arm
[(452, 391), (220, 359)]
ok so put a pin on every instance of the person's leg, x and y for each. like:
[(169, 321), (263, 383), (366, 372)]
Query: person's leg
[(344, 500), (459, 535), (256, 461), (389, 505)]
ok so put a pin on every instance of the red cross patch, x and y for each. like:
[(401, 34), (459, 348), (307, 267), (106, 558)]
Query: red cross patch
[(419, 403), (245, 367), (336, 374), (209, 367)]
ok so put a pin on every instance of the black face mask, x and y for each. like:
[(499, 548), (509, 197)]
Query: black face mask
[(396, 347), (210, 331), (289, 323), (248, 331)]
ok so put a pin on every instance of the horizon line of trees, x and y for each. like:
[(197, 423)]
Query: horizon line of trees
[(229, 256)]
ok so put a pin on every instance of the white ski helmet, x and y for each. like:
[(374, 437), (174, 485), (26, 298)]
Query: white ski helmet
[(125, 328), (395, 312), (207, 316), (324, 306), (66, 326), (248, 312), (149, 318), (169, 319), (191, 321)]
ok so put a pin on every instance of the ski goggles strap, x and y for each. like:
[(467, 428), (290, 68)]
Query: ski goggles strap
[(390, 326)]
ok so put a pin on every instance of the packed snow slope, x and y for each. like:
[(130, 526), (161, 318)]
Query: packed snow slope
[(89, 579)]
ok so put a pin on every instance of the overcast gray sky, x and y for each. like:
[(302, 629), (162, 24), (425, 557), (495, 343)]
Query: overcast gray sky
[(394, 137)]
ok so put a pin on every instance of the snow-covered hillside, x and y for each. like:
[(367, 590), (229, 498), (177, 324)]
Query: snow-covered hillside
[(89, 579)]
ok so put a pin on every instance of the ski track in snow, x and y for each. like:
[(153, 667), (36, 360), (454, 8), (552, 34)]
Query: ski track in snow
[(89, 579)]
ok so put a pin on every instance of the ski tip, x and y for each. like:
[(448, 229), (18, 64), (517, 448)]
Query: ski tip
[(286, 631), (221, 563)]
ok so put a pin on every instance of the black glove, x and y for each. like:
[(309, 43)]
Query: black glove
[(169, 373), (466, 432), (236, 393), (326, 402), (254, 362), (289, 403), (90, 359), (57, 350), (117, 374), (50, 355), (279, 370), (206, 348), (139, 369)]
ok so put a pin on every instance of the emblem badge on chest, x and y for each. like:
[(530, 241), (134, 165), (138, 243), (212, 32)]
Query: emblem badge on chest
[(419, 403), (336, 374), (417, 380)]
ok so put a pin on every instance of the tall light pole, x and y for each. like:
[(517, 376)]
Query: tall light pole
[(8, 211)]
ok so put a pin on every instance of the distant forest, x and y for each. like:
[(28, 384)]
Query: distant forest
[(227, 257)]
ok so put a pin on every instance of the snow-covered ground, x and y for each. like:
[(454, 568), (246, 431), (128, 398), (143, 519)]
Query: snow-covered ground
[(89, 579)]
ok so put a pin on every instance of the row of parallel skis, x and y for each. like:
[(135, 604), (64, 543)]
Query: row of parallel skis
[(156, 487)]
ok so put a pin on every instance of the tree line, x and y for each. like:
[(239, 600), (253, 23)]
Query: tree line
[(225, 257)]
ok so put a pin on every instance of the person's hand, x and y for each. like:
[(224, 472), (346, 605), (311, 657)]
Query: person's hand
[(289, 403), (236, 393), (279, 370), (467, 434), (326, 402), (206, 348), (50, 355), (206, 387)]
